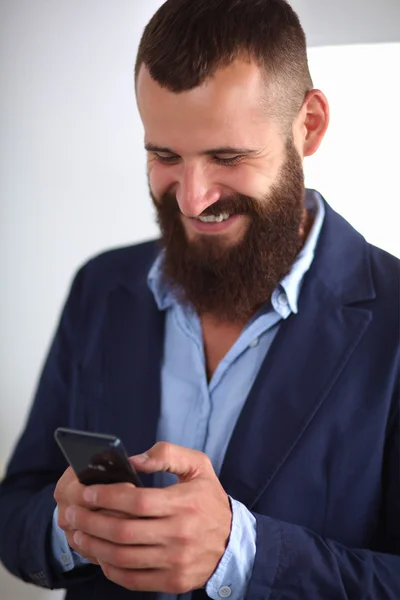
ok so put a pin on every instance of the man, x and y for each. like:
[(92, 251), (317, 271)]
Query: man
[(259, 347)]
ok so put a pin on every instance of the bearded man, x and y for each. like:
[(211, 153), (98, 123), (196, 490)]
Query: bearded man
[(249, 361)]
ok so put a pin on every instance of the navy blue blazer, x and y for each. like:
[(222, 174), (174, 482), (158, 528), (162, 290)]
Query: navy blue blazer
[(314, 454)]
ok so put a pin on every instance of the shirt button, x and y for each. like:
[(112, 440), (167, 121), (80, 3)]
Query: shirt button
[(254, 343), (282, 299), (224, 591), (65, 559)]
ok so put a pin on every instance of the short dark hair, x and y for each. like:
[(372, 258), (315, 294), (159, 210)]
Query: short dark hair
[(186, 41)]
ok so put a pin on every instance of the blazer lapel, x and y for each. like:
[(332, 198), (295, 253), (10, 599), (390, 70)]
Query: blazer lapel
[(307, 356)]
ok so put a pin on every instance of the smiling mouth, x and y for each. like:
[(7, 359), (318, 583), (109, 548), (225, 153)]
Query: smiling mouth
[(214, 218), (213, 224)]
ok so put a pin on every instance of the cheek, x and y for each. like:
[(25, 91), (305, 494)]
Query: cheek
[(160, 179), (247, 181)]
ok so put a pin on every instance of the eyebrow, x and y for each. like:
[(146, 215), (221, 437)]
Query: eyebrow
[(223, 150)]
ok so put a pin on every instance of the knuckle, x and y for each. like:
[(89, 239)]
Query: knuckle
[(56, 494), (207, 462), (66, 477), (66, 491), (184, 533), (59, 490), (182, 560), (122, 532), (192, 505), (141, 503), (61, 521), (164, 450)]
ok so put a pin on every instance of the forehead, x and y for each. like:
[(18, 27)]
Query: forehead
[(227, 108)]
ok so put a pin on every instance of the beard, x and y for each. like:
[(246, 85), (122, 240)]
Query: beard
[(232, 280)]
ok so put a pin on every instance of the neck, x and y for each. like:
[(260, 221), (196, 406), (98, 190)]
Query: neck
[(305, 227)]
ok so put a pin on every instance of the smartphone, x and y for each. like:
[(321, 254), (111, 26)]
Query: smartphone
[(95, 457)]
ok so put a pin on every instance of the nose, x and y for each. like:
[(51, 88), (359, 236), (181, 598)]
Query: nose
[(194, 192)]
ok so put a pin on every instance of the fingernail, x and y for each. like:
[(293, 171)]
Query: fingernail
[(70, 515), (77, 538), (141, 458), (89, 495)]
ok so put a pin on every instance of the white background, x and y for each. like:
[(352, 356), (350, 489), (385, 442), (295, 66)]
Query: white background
[(72, 165)]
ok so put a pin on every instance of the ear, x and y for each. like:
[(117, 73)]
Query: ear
[(313, 122)]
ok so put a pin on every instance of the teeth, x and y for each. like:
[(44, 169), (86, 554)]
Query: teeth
[(215, 219)]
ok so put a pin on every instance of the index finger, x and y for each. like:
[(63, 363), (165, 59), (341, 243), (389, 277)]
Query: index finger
[(131, 500), (69, 490)]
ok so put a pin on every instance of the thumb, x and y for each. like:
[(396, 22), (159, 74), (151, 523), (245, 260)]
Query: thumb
[(184, 462)]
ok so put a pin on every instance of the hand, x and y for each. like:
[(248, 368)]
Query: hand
[(69, 492), (171, 540)]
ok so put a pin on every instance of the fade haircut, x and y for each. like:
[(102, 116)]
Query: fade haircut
[(186, 41)]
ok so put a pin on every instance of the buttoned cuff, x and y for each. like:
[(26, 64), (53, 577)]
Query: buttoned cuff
[(232, 576), (64, 557)]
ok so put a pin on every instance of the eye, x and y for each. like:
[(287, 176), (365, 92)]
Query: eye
[(228, 162), (166, 159)]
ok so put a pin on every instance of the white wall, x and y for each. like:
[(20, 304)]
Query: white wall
[(328, 22), (72, 178), (357, 167)]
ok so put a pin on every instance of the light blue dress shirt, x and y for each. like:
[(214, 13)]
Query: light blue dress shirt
[(202, 415)]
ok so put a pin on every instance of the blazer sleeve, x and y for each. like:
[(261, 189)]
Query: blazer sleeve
[(295, 563), (26, 493)]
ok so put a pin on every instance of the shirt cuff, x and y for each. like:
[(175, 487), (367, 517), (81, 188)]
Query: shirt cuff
[(64, 557), (232, 576)]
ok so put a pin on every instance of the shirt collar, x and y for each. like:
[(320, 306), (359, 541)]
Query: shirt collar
[(289, 285), (163, 295)]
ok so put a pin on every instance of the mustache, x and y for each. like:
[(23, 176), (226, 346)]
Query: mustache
[(237, 204)]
